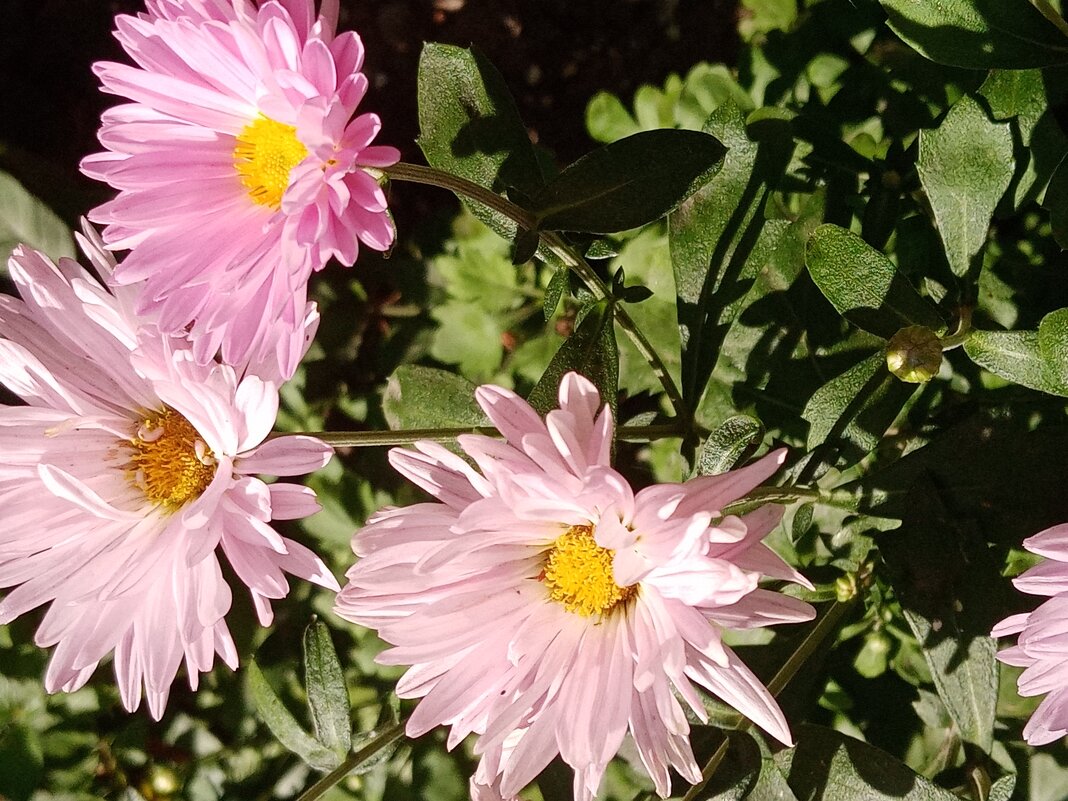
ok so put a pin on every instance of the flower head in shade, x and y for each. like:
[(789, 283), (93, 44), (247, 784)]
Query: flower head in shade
[(123, 477), (547, 607), (1042, 645), (240, 167)]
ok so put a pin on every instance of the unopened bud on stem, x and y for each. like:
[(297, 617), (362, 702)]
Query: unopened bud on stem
[(914, 354)]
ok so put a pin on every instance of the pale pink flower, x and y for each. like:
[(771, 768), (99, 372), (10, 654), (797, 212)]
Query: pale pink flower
[(545, 606), (240, 167), (1042, 647), (127, 471)]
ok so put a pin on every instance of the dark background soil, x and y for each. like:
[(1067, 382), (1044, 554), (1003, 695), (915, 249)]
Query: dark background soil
[(554, 54)]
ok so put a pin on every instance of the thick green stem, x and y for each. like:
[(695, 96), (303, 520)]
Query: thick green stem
[(416, 173), (370, 439), (355, 759)]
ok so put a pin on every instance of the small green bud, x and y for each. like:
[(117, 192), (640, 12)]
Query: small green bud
[(162, 782), (845, 587), (914, 354)]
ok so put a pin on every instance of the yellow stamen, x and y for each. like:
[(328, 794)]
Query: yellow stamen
[(171, 464), (578, 574), (265, 153)]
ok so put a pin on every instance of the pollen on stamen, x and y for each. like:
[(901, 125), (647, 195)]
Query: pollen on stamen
[(578, 575), (170, 463), (265, 153)]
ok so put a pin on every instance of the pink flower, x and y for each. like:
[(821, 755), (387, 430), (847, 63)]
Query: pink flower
[(128, 469), (545, 606), (1042, 647), (240, 167)]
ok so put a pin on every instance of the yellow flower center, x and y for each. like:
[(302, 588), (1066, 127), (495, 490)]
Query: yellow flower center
[(171, 464), (266, 151), (578, 574)]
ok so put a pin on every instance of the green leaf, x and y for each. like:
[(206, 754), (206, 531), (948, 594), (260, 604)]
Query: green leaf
[(706, 88), (728, 445), (945, 582), (607, 119), (468, 336), (1053, 346), (998, 474), (965, 672), (554, 292), (328, 699), (979, 34), (628, 183), (469, 126), (714, 234), (591, 350), (284, 726), (1015, 356), (1056, 200), (829, 766), (965, 166), (1001, 790), (20, 746), (1016, 94), (1022, 96), (864, 285), (25, 220), (424, 397), (647, 261), (852, 411), (767, 15)]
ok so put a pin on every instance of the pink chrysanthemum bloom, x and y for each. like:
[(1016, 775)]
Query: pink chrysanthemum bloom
[(545, 606), (240, 167), (127, 471), (1042, 647)]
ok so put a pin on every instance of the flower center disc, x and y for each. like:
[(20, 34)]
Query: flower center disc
[(171, 464), (578, 574), (265, 153)]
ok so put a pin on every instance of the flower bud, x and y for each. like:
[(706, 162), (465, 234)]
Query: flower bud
[(914, 354)]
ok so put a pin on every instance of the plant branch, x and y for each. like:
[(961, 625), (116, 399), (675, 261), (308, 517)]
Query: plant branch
[(355, 759), (371, 439), (577, 264), (419, 174), (815, 640)]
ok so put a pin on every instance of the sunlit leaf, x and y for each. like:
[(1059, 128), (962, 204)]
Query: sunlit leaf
[(25, 220), (864, 285), (423, 397), (284, 726), (469, 126), (979, 34), (965, 166), (328, 699)]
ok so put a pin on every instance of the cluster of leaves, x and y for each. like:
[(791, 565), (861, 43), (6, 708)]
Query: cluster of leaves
[(866, 167)]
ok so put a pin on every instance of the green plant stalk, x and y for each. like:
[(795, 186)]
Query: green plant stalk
[(415, 173), (813, 642), (370, 439), (354, 760), (1050, 13)]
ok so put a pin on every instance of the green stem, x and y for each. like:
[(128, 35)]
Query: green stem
[(964, 330), (583, 270), (371, 439), (762, 495), (813, 642), (355, 759), (418, 174), (415, 173)]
